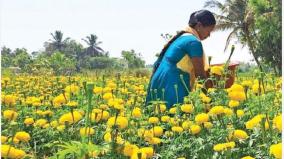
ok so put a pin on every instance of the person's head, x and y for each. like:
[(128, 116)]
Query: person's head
[(203, 21)]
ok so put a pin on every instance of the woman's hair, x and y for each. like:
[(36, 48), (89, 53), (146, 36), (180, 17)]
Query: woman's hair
[(205, 17)]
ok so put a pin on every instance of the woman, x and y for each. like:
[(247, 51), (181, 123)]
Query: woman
[(181, 61)]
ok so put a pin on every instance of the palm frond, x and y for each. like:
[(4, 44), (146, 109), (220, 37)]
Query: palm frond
[(230, 36)]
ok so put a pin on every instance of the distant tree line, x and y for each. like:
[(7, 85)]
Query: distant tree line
[(65, 55)]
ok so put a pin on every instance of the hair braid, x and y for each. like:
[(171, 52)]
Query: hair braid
[(161, 55)]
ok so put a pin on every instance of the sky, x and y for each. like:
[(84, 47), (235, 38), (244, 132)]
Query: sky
[(119, 25)]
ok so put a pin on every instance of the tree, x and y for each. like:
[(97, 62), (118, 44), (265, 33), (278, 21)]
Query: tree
[(57, 43), (6, 57), (22, 58), (93, 49), (268, 26), (134, 60), (237, 16)]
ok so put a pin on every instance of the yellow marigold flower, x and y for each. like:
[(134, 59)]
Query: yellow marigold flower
[(240, 134), (54, 123), (240, 113), (217, 110), (186, 124), (3, 139), (59, 100), (103, 106), (276, 150), (237, 88), (173, 110), (149, 151), (105, 115), (169, 133), (47, 112), (208, 125), (87, 131), (118, 106), (247, 83), (9, 100), (201, 118), (228, 111), (256, 88), (148, 133), (237, 95), (72, 104), (136, 113), (10, 115), (195, 129), (158, 131), (204, 98), (40, 122), (70, 118), (23, 136), (60, 128), (130, 149), (163, 107), (29, 121), (7, 151), (174, 121), (121, 122), (153, 120), (107, 96), (154, 140), (187, 108), (277, 122), (230, 144), (177, 129), (234, 103), (107, 137), (219, 147), (247, 157), (254, 122), (165, 118), (98, 90), (72, 89), (218, 70)]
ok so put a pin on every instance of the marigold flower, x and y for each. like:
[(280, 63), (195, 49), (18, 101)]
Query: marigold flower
[(72, 89), (130, 149), (186, 124), (149, 151), (201, 118), (195, 129), (70, 118), (154, 140), (177, 129), (240, 113), (9, 100), (29, 121), (277, 122), (187, 108), (40, 122), (7, 151), (87, 131), (60, 128), (3, 139), (153, 120), (136, 113), (121, 122), (158, 131), (72, 104), (165, 118), (217, 110), (173, 110), (218, 70), (98, 90), (276, 150), (107, 96), (234, 103), (10, 115), (237, 95), (23, 136), (240, 134), (247, 157)]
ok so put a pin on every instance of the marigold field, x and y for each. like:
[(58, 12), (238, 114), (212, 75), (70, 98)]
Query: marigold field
[(105, 116)]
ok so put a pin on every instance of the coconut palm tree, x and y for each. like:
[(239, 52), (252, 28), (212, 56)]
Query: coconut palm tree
[(235, 15), (93, 49), (57, 42)]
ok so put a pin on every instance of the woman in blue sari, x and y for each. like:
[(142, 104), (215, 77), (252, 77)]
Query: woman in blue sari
[(181, 61)]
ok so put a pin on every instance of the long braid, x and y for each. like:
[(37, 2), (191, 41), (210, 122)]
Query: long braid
[(157, 63)]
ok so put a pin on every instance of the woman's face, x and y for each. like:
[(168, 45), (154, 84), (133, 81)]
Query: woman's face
[(204, 31)]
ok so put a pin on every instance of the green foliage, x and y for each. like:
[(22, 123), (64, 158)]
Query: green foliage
[(134, 60), (268, 27), (60, 64)]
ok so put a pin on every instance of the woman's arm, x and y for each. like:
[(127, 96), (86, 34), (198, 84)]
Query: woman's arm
[(200, 72)]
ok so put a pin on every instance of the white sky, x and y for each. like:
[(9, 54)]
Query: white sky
[(119, 24)]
